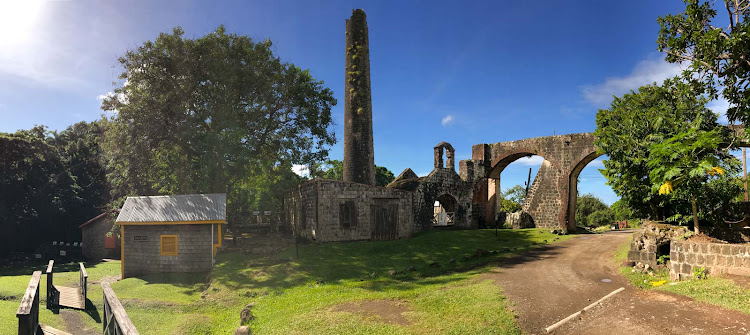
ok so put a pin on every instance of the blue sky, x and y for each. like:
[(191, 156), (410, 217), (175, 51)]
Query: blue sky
[(462, 72)]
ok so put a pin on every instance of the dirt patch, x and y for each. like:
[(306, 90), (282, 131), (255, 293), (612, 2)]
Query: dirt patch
[(388, 311), (742, 281), (74, 324), (108, 279)]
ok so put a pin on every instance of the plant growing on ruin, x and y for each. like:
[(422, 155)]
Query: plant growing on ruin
[(700, 272)]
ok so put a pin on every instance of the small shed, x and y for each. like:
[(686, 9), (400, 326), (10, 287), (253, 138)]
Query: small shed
[(173, 233), (97, 245)]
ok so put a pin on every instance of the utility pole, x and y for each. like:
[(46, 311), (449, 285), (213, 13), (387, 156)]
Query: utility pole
[(528, 181), (744, 170)]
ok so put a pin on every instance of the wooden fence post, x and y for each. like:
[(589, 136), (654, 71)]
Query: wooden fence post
[(28, 311)]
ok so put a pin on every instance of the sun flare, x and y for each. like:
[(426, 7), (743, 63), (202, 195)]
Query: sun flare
[(17, 18)]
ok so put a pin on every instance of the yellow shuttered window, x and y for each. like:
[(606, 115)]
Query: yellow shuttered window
[(169, 245)]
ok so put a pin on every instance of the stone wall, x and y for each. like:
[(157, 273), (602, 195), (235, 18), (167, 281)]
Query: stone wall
[(439, 182), (654, 239), (551, 200), (142, 253), (93, 239), (716, 258), (313, 210)]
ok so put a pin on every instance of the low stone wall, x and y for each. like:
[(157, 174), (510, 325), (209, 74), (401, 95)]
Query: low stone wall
[(652, 240), (716, 258)]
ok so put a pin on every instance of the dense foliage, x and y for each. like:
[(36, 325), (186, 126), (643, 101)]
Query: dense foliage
[(635, 122), (220, 113), (50, 183), (512, 199), (717, 55), (334, 169), (588, 204)]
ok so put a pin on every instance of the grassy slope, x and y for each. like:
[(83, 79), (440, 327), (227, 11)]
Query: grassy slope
[(714, 290), (294, 296)]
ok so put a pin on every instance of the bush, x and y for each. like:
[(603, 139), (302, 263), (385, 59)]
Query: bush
[(600, 217)]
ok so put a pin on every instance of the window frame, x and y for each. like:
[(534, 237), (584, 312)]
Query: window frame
[(350, 221), (161, 245)]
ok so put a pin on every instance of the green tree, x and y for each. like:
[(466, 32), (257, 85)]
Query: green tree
[(50, 183), (621, 211), (334, 169), (717, 55), (601, 217), (515, 194), (208, 114), (628, 129), (586, 205), (687, 160)]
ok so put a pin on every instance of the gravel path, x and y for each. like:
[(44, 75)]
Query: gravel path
[(550, 283)]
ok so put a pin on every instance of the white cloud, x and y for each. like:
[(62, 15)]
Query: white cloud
[(719, 106), (645, 72), (447, 120), (301, 170), (598, 163), (530, 161)]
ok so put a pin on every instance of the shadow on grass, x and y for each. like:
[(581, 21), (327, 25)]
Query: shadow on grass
[(29, 268), (438, 257), (193, 282), (92, 311)]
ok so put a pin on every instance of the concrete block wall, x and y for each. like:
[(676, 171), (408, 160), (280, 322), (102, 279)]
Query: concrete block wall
[(716, 258), (143, 255)]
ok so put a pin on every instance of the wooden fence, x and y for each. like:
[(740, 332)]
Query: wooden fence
[(116, 321), (28, 311)]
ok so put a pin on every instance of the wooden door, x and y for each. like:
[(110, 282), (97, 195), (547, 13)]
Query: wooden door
[(384, 216)]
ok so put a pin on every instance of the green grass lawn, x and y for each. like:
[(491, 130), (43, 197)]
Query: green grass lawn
[(300, 296), (714, 290)]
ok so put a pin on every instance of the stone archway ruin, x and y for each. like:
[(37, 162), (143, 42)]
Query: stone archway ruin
[(552, 195)]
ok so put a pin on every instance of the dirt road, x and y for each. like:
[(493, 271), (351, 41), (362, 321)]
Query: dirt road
[(551, 283)]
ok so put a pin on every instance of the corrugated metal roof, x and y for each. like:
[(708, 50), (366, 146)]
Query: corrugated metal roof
[(173, 208)]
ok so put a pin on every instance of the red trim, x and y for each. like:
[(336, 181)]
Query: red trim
[(99, 217)]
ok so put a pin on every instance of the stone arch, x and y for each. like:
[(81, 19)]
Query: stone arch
[(548, 200), (450, 155), (571, 194), (506, 158), (494, 187)]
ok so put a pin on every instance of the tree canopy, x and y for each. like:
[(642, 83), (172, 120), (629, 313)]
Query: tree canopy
[(633, 123), (718, 56), (51, 183), (588, 204), (334, 169), (219, 113)]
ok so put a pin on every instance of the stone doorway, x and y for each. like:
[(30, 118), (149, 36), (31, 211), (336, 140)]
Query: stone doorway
[(444, 211)]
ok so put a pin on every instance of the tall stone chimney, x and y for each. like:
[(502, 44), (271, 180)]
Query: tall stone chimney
[(359, 156)]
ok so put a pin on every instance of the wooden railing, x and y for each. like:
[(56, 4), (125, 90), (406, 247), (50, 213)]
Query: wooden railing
[(116, 321), (83, 281), (28, 311), (53, 295)]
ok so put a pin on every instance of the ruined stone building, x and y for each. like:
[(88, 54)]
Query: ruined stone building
[(357, 209)]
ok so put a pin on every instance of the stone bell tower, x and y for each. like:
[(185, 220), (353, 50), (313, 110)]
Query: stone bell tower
[(359, 156)]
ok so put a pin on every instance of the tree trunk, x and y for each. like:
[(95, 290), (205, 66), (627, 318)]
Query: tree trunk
[(695, 215)]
